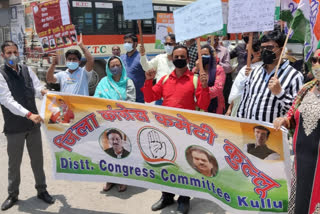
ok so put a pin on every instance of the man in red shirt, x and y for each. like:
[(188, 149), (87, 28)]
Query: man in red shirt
[(177, 90)]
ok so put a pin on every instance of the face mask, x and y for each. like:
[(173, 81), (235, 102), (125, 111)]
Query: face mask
[(180, 63), (245, 39), (72, 65), (116, 70), (268, 56), (316, 72), (205, 60), (128, 47), (13, 60), (168, 49), (226, 43)]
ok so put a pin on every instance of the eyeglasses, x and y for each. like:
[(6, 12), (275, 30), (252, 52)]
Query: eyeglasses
[(314, 60), (168, 43), (268, 47)]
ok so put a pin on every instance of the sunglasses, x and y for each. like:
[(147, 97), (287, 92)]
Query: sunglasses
[(268, 47), (314, 60), (168, 43)]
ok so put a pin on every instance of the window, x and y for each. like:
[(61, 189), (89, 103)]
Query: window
[(104, 17), (148, 26), (82, 16), (124, 26)]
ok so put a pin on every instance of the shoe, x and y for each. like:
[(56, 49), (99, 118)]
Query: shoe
[(162, 203), (46, 197), (9, 202), (183, 208), (108, 186), (122, 188)]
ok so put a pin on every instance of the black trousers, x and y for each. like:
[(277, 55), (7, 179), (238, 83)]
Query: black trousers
[(227, 89)]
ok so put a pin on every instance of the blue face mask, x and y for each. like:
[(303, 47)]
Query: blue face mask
[(205, 60), (169, 49), (128, 47), (72, 65), (116, 70)]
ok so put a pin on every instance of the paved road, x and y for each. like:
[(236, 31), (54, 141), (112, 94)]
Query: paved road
[(83, 197)]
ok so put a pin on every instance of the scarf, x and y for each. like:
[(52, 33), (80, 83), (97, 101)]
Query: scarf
[(110, 89)]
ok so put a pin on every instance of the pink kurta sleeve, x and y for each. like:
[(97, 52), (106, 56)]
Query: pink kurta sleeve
[(218, 86)]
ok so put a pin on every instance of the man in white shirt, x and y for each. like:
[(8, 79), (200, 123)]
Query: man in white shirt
[(75, 79), (239, 82), (162, 63), (18, 88)]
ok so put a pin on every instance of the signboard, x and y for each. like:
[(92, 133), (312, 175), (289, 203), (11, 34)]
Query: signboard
[(197, 19), (137, 9), (94, 139), (53, 25), (164, 27), (251, 16), (17, 26)]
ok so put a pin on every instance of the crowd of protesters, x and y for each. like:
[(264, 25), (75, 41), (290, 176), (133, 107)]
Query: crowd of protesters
[(176, 79)]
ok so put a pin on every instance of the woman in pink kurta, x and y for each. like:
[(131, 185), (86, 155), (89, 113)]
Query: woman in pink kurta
[(216, 81)]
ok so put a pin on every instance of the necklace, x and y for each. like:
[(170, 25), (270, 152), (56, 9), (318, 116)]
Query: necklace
[(318, 88)]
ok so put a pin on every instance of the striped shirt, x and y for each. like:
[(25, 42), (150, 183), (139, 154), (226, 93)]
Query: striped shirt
[(257, 101)]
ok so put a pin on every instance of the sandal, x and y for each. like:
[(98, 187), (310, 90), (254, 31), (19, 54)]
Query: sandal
[(122, 187), (108, 186)]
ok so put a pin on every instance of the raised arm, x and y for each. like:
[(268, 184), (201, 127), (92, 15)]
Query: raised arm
[(147, 65), (152, 93), (87, 55), (50, 74)]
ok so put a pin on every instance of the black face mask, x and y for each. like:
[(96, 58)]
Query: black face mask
[(268, 56), (245, 39), (180, 63)]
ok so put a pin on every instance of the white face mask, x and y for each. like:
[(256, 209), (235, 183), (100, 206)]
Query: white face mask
[(128, 47), (226, 43), (168, 49), (316, 72)]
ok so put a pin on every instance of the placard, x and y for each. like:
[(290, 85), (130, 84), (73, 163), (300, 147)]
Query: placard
[(137, 9), (53, 25), (251, 15), (197, 19), (164, 27)]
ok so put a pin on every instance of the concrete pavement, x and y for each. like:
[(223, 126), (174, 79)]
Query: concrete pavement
[(83, 197)]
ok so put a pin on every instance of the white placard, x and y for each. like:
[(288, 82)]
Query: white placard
[(137, 9), (197, 19), (251, 15)]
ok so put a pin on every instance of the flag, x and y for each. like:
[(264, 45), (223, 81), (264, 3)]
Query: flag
[(303, 18)]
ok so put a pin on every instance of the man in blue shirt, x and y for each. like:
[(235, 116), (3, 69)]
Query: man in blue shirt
[(75, 79), (131, 61)]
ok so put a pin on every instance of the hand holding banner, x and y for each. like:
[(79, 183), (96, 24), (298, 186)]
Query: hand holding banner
[(159, 149)]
